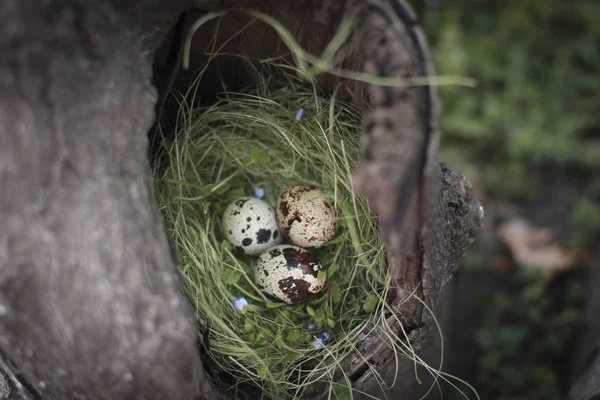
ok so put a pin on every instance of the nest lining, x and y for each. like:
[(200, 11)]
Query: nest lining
[(254, 140), (257, 140)]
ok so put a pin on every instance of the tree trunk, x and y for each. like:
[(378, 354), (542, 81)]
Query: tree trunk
[(91, 305)]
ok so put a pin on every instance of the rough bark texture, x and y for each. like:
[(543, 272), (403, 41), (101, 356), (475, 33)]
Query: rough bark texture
[(395, 140), (91, 305)]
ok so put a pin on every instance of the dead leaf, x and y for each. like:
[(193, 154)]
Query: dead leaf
[(533, 247)]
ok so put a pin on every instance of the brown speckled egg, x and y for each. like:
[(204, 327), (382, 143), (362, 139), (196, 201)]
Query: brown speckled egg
[(288, 273), (250, 225), (305, 216)]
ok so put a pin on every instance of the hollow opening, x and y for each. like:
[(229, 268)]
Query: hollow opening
[(243, 43), (241, 39)]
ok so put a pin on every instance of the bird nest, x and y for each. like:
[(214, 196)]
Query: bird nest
[(255, 142)]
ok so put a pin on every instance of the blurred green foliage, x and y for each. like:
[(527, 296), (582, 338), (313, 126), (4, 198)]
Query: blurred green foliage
[(585, 224), (524, 336), (534, 115), (536, 108)]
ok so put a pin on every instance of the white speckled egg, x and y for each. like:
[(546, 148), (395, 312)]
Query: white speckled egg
[(250, 225), (288, 273), (305, 216)]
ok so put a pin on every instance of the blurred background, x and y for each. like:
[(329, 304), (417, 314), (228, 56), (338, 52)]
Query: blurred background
[(528, 138)]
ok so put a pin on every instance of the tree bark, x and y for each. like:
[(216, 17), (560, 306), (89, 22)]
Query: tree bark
[(91, 305)]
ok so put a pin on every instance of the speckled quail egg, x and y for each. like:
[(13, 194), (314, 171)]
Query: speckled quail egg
[(305, 216), (288, 273), (250, 225)]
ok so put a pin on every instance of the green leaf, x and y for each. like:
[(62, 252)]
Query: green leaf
[(256, 307), (234, 193), (298, 307), (248, 327), (310, 311), (291, 358), (230, 276), (319, 318), (325, 257), (342, 390), (272, 304), (336, 295), (268, 332), (294, 337), (332, 270), (222, 188), (205, 190), (261, 340), (279, 342), (261, 371), (322, 275), (225, 245), (259, 155), (331, 322), (371, 303), (335, 240)]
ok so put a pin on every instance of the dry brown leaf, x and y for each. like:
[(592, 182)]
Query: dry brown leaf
[(533, 247)]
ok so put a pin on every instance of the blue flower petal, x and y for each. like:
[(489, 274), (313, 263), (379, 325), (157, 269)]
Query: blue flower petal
[(259, 192), (318, 344), (300, 113), (311, 327), (324, 336), (240, 303)]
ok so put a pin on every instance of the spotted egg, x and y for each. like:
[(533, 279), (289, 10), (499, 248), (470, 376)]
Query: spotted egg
[(288, 273), (305, 216), (249, 224)]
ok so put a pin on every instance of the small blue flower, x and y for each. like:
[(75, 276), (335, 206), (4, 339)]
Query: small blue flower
[(311, 327), (240, 303), (300, 113), (259, 192), (318, 344), (324, 336)]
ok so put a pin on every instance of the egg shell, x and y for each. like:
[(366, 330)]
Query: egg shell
[(288, 273), (250, 225), (305, 216)]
